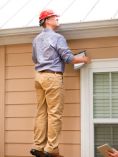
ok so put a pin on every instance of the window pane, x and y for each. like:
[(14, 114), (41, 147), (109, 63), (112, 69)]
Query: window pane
[(105, 95), (114, 95), (101, 95), (104, 133)]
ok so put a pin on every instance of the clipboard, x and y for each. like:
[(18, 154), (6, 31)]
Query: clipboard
[(104, 149), (79, 65)]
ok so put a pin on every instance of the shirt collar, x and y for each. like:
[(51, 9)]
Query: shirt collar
[(47, 30)]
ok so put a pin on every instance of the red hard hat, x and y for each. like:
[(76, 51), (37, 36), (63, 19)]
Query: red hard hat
[(47, 13)]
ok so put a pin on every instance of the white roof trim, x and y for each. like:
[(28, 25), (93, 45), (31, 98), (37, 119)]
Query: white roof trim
[(83, 30)]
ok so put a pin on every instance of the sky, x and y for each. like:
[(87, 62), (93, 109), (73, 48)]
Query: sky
[(25, 13)]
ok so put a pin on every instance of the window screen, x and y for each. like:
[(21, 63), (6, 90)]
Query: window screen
[(105, 133), (105, 106), (105, 95)]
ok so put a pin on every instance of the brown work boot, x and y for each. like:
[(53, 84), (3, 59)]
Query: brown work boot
[(37, 153), (52, 155)]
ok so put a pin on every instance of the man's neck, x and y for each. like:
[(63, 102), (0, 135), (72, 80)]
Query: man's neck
[(51, 28)]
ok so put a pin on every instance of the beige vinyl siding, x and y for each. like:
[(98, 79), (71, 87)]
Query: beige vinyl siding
[(97, 48), (20, 105), (2, 98)]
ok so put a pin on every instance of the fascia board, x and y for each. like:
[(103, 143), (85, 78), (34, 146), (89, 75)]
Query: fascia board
[(71, 31)]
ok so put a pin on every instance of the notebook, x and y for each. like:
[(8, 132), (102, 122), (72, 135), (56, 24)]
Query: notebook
[(79, 65), (104, 149)]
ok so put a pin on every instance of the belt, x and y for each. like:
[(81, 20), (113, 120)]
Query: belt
[(48, 71)]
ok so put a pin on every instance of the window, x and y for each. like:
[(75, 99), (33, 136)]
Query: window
[(99, 106)]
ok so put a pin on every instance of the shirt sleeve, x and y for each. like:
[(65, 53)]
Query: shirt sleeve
[(64, 50), (34, 53)]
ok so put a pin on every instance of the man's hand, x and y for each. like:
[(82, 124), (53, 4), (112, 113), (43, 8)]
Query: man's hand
[(86, 59), (81, 59), (113, 154)]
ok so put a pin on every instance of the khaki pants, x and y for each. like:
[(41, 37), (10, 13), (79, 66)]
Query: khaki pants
[(48, 122)]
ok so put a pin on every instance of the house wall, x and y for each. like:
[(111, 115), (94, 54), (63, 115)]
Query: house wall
[(18, 99), (97, 48)]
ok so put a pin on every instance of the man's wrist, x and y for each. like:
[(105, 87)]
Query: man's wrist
[(84, 59)]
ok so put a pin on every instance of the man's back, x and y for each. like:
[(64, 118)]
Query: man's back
[(46, 51)]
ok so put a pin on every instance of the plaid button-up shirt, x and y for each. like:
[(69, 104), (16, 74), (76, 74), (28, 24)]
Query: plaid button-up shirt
[(50, 51)]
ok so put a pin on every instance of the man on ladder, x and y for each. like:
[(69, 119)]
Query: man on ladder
[(50, 53)]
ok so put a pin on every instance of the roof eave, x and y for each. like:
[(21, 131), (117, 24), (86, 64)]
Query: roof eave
[(82, 30)]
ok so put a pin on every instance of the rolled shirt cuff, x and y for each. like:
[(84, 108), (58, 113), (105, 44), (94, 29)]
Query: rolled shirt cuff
[(69, 59)]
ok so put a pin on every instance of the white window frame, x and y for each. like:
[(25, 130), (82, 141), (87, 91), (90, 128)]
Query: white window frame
[(86, 81)]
